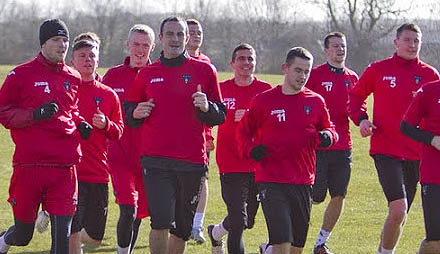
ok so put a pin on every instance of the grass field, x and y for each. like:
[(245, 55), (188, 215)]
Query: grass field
[(357, 231)]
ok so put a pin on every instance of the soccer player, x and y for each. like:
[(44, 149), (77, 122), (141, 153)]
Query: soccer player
[(124, 162), (90, 36), (239, 190), (425, 108), (38, 103), (193, 47), (281, 131), (171, 101), (392, 82), (99, 105), (332, 80)]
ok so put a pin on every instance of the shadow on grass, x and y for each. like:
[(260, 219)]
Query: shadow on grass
[(97, 250)]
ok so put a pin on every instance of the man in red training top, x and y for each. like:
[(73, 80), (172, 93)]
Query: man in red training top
[(171, 101), (332, 80), (193, 47), (90, 36), (124, 162), (99, 105), (38, 103), (393, 81), (239, 190), (425, 108), (280, 132)]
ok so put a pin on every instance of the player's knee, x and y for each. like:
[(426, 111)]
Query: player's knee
[(398, 211)]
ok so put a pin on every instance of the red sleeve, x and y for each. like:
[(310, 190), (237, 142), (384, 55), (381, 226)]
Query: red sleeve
[(11, 116), (415, 112), (115, 124), (357, 106), (136, 93), (248, 128)]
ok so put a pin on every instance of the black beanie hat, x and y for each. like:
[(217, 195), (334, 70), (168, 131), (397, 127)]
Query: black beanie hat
[(51, 28)]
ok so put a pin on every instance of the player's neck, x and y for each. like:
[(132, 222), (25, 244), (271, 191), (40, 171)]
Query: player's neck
[(336, 65), (87, 77), (194, 52), (243, 80)]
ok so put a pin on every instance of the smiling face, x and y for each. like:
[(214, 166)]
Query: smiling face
[(85, 61), (174, 38), (408, 44), (55, 49), (296, 74), (244, 63), (140, 46), (336, 51)]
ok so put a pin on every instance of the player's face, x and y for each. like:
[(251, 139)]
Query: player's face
[(174, 38), (244, 63), (408, 44), (140, 46), (296, 74), (55, 49), (336, 51), (195, 37), (85, 61)]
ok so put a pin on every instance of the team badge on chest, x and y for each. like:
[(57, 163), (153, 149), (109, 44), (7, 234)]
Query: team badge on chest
[(66, 85), (186, 78), (307, 110), (347, 83), (97, 100), (417, 79)]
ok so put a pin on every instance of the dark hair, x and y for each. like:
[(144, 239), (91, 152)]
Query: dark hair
[(298, 52), (173, 19), (88, 36), (83, 44), (193, 22), (408, 26), (242, 46), (331, 35)]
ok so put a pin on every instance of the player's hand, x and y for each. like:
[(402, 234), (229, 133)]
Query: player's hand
[(143, 109), (99, 120), (258, 152), (210, 145), (200, 99), (239, 113), (366, 128), (85, 130), (435, 142), (45, 111)]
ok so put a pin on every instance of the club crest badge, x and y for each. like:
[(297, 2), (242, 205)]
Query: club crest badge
[(417, 79), (307, 109), (347, 83), (97, 100), (186, 78), (66, 85)]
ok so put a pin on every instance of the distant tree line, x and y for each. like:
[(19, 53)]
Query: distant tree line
[(271, 26)]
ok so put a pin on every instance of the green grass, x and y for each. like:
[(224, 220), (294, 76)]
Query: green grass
[(357, 231)]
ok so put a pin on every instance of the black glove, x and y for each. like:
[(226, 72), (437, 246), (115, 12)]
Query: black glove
[(325, 138), (258, 152), (85, 130), (46, 110)]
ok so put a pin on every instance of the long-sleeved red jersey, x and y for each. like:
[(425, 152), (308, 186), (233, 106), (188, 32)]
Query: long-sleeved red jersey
[(174, 130), (235, 97), (334, 87), (93, 167), (289, 126), (392, 81), (50, 141), (426, 108), (120, 78)]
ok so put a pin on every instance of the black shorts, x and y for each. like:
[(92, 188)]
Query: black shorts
[(239, 193), (172, 199), (286, 208), (431, 211), (333, 169), (92, 208), (398, 178)]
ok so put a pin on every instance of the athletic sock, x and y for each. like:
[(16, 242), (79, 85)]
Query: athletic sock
[(385, 251), (125, 250), (4, 247), (322, 237), (198, 221), (268, 249), (219, 231)]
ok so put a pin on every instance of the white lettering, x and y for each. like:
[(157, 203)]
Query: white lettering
[(156, 80)]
